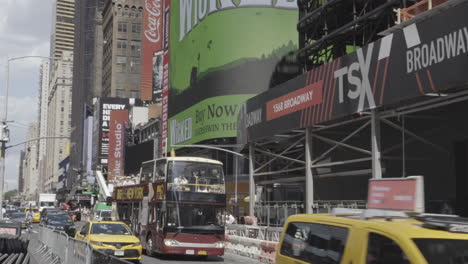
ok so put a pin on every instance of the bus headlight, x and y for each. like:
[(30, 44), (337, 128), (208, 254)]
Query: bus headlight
[(171, 242), (219, 244)]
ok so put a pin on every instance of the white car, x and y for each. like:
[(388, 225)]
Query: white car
[(103, 215)]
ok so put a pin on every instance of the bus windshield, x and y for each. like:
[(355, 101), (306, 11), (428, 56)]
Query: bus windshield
[(191, 176), (194, 218)]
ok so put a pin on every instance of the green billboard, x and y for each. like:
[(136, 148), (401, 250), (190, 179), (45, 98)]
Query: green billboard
[(223, 52)]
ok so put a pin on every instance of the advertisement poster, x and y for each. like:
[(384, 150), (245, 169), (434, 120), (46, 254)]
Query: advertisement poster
[(151, 45), (103, 108), (165, 83), (157, 76), (223, 53), (117, 139)]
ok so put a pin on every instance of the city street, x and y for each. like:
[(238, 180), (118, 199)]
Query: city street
[(228, 258)]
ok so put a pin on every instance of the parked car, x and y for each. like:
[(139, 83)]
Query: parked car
[(61, 222), (113, 238), (21, 218), (378, 238), (47, 211), (8, 213)]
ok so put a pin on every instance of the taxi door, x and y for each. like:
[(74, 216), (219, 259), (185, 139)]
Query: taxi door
[(383, 247)]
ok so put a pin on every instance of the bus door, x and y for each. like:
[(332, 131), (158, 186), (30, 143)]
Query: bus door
[(160, 222), (143, 219)]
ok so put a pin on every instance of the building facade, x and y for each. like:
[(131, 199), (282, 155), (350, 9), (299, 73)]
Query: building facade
[(58, 117), (122, 31), (30, 166), (87, 68), (62, 38), (21, 174), (43, 106)]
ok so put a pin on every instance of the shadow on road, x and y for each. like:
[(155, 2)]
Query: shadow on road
[(189, 258)]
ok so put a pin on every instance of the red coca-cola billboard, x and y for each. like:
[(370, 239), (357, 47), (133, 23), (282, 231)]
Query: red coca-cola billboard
[(165, 82), (118, 122), (151, 70)]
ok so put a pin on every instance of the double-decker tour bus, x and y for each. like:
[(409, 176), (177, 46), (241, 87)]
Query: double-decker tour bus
[(177, 207)]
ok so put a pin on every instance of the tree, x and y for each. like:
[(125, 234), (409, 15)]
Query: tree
[(10, 194)]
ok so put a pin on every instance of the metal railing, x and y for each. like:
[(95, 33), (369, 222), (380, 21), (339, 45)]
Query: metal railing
[(15, 258), (255, 232), (57, 247), (275, 213)]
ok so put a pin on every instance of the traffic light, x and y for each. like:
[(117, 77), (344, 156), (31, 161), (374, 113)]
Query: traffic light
[(4, 133)]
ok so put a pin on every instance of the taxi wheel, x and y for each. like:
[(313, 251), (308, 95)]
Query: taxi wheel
[(149, 246)]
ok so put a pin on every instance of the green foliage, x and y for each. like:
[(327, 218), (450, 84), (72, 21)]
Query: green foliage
[(9, 194)]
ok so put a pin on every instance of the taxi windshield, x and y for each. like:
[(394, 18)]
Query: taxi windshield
[(443, 250), (109, 229)]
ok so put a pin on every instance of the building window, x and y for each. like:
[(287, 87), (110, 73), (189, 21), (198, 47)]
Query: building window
[(134, 94), (135, 61), (122, 44), (136, 28), (136, 46), (121, 60), (120, 93), (122, 27)]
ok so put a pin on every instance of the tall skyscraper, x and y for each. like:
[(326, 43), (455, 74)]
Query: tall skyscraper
[(87, 77), (30, 166), (43, 109), (58, 117), (21, 174), (63, 35), (122, 31)]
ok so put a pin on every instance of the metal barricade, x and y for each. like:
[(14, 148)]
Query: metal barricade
[(78, 252), (255, 232), (55, 247), (275, 213), (99, 257)]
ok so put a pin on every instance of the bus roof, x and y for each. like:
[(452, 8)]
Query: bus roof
[(193, 159)]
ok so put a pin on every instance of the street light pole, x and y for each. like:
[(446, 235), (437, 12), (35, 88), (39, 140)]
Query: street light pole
[(4, 138)]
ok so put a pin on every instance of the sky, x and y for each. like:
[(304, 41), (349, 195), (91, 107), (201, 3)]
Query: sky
[(25, 29)]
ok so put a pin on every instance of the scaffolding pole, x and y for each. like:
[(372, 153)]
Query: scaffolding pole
[(309, 201), (375, 141), (251, 180)]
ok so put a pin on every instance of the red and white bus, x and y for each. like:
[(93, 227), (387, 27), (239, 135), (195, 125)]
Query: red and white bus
[(177, 207)]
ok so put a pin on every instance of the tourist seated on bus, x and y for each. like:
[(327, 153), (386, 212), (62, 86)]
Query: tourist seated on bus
[(181, 180)]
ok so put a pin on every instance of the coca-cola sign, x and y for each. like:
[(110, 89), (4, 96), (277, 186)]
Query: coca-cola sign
[(151, 44), (153, 22)]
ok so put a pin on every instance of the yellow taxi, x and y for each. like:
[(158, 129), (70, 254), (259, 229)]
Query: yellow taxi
[(112, 237), (373, 237), (36, 215)]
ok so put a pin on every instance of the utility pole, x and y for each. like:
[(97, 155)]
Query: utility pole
[(4, 138)]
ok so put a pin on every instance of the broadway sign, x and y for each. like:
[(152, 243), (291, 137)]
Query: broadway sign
[(423, 58)]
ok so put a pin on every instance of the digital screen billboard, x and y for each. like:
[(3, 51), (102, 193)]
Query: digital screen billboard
[(221, 54)]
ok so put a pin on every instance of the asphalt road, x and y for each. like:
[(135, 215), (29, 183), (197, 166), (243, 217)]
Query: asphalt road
[(228, 258)]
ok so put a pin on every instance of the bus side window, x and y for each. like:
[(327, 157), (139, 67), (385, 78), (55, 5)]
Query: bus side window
[(147, 172), (159, 216), (152, 214), (160, 170)]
